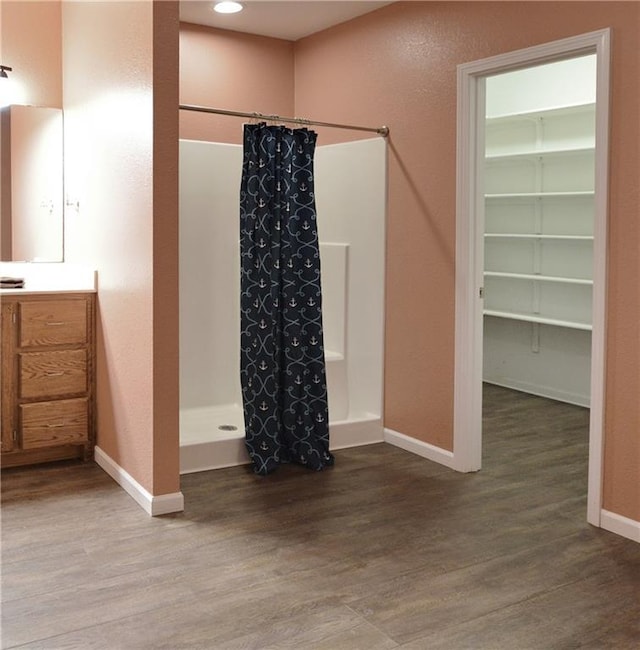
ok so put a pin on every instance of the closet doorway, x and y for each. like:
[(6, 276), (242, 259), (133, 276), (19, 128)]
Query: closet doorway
[(538, 181), (531, 236)]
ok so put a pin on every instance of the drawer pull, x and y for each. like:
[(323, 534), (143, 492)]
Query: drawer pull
[(55, 426), (55, 374), (54, 323)]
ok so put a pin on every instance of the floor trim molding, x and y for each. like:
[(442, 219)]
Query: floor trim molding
[(620, 525), (154, 505), (420, 448)]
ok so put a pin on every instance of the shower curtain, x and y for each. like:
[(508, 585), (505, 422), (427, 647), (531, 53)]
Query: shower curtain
[(283, 377)]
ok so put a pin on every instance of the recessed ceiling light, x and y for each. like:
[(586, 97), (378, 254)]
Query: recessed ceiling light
[(227, 7)]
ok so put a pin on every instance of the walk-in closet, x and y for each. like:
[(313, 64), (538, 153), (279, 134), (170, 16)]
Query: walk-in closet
[(538, 229)]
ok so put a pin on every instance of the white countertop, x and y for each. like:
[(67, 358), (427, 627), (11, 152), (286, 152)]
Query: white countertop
[(45, 277)]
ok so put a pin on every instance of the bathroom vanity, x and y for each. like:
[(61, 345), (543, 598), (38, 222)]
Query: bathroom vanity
[(48, 375)]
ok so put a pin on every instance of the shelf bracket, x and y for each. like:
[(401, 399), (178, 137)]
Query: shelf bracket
[(535, 338)]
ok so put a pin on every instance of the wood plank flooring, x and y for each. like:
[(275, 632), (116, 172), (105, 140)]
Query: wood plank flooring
[(385, 550)]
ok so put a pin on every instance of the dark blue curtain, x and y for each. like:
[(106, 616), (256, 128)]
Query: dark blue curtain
[(284, 386)]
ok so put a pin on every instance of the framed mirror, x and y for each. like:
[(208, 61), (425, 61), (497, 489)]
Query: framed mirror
[(31, 201)]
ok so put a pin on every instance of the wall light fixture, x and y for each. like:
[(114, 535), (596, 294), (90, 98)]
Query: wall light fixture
[(5, 86)]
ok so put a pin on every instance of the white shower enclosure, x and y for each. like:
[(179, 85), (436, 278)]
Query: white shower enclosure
[(350, 185)]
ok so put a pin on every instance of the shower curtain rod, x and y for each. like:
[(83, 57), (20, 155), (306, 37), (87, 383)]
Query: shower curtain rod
[(381, 130)]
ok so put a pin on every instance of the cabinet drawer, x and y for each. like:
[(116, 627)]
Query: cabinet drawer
[(53, 322), (52, 374), (61, 422)]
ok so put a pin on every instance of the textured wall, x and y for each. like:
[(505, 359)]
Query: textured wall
[(116, 162), (166, 356), (397, 66), (31, 37), (233, 71)]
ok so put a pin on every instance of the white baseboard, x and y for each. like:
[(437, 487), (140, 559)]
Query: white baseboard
[(420, 448), (541, 391), (154, 505), (620, 525)]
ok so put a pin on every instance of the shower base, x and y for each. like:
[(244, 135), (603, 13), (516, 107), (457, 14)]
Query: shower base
[(206, 441)]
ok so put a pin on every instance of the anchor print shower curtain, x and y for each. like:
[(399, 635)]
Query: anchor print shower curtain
[(284, 386)]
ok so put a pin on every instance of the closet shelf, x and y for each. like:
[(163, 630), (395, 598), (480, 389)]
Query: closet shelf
[(517, 235), (534, 318), (539, 205), (537, 277), (552, 111), (539, 153), (540, 195)]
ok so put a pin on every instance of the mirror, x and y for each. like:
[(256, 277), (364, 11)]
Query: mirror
[(32, 191)]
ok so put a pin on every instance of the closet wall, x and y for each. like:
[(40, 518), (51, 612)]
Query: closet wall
[(539, 198)]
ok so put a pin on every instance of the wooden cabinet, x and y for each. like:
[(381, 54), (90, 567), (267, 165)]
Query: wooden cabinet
[(48, 377)]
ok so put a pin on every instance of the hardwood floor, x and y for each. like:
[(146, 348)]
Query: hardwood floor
[(385, 550)]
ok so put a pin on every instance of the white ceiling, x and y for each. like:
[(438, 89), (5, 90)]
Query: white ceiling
[(290, 19)]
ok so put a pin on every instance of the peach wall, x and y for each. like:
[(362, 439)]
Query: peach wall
[(125, 225), (397, 66), (233, 71), (166, 389), (31, 45)]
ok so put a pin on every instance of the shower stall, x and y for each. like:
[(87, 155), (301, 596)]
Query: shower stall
[(350, 184)]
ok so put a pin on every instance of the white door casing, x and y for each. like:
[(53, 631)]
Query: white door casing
[(467, 437)]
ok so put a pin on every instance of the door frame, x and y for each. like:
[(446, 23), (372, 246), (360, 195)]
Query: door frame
[(467, 422)]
